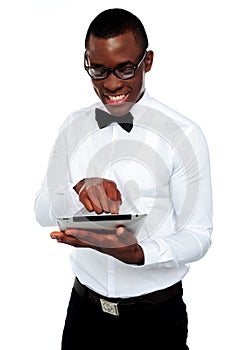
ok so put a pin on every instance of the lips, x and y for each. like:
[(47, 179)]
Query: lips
[(116, 99)]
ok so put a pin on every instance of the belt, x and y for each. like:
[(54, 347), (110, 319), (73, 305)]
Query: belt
[(115, 306)]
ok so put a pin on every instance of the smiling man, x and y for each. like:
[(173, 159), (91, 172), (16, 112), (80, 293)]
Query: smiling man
[(128, 153)]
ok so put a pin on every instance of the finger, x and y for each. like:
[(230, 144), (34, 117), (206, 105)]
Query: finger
[(103, 198), (66, 239), (83, 197), (93, 195), (114, 208), (70, 240), (56, 234), (82, 234), (93, 239), (87, 204), (113, 196), (110, 189), (119, 198), (88, 197), (76, 232)]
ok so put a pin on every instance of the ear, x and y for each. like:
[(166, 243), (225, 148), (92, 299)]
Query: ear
[(149, 60)]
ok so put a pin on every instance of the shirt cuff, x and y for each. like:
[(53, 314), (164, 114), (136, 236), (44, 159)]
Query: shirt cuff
[(158, 252)]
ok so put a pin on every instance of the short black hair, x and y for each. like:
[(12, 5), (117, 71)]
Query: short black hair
[(114, 22)]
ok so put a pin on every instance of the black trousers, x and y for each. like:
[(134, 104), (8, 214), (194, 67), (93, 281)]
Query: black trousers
[(163, 325)]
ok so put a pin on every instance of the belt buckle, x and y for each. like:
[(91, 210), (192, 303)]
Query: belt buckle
[(110, 308)]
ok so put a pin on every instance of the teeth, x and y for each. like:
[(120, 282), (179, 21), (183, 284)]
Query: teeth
[(116, 98)]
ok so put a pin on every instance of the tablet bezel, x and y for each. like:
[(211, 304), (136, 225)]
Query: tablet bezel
[(106, 223)]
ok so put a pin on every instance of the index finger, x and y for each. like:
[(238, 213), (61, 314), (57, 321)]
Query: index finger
[(113, 196)]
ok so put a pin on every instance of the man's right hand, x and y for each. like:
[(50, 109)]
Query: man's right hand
[(99, 195)]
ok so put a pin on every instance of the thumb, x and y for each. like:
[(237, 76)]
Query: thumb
[(120, 230)]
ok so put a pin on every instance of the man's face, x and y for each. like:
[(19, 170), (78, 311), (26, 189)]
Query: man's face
[(116, 94)]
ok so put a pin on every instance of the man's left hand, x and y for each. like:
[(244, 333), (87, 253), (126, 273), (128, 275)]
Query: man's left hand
[(122, 244)]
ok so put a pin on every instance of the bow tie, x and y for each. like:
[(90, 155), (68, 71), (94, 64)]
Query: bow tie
[(104, 119)]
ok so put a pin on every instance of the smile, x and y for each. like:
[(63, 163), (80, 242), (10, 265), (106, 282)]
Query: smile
[(117, 99)]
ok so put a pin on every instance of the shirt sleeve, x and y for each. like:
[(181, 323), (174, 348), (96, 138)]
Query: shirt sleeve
[(56, 196), (191, 193)]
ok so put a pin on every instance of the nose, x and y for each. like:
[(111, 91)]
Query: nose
[(112, 83)]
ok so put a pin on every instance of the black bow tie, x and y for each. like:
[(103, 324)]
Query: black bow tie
[(104, 119)]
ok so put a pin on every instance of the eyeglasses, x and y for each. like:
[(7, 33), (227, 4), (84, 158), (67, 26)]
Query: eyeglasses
[(125, 72)]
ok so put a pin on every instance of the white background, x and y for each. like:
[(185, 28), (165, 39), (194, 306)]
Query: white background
[(199, 70)]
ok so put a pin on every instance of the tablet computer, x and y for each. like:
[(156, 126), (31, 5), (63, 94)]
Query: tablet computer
[(106, 223)]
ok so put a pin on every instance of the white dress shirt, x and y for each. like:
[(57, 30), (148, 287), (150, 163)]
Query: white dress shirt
[(161, 168)]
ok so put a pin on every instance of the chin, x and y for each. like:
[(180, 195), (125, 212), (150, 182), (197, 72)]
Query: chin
[(119, 109)]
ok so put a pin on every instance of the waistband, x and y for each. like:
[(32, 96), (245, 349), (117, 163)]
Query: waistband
[(115, 305)]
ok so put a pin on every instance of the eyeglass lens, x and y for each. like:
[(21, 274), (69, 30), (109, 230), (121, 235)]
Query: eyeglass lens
[(102, 72)]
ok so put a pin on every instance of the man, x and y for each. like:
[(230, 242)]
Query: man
[(153, 160)]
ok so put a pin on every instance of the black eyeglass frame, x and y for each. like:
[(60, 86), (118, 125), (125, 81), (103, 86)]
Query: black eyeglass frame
[(108, 71)]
